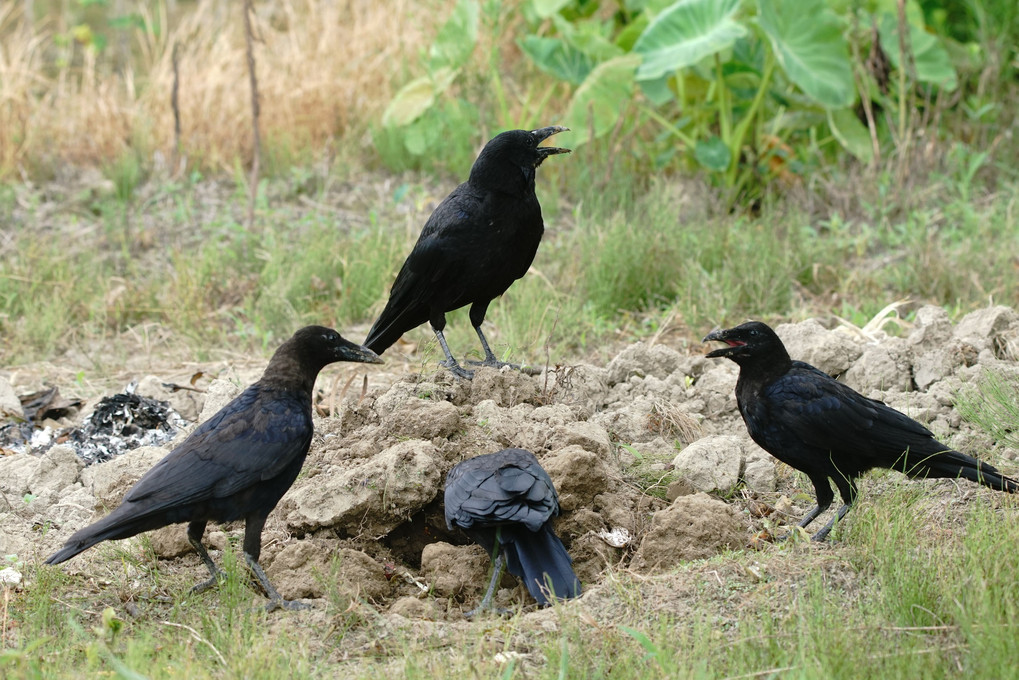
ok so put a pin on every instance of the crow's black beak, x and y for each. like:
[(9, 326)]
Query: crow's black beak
[(717, 334), (721, 335), (352, 352), (544, 133)]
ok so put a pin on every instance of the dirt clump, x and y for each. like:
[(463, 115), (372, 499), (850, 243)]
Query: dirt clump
[(692, 528), (455, 571), (315, 567), (364, 520)]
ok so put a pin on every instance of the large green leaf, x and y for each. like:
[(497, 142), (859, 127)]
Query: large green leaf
[(684, 33), (557, 58), (851, 133), (933, 65), (457, 37), (807, 39), (590, 37), (416, 97), (713, 154), (546, 8), (600, 100)]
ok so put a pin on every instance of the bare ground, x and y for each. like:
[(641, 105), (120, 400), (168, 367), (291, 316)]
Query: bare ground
[(667, 504)]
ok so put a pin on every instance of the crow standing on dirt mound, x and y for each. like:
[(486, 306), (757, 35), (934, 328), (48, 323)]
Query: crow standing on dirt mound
[(479, 240), (823, 428), (238, 464), (505, 502)]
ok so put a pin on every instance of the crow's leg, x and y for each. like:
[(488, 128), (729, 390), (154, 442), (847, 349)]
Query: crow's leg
[(847, 489), (276, 600), (195, 532), (486, 601), (490, 360), (450, 363), (823, 533), (824, 496), (477, 315), (253, 525)]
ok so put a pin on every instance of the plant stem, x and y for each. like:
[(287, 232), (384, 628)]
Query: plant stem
[(665, 123), (724, 106), (736, 142)]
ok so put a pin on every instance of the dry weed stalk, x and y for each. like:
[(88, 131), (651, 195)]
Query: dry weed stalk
[(256, 139), (327, 70)]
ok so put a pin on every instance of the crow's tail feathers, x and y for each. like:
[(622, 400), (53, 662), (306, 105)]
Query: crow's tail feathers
[(954, 464), (540, 560), (113, 526), (381, 337), (393, 322)]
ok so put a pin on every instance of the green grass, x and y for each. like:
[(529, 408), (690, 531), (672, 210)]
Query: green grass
[(993, 404), (616, 258), (910, 589)]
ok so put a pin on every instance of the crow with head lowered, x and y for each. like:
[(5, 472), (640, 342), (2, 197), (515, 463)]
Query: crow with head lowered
[(477, 242), (505, 502)]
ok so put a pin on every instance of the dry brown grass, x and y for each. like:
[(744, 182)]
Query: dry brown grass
[(325, 70)]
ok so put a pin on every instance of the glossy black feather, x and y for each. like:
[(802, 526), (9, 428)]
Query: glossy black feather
[(240, 462), (824, 428), (479, 240), (507, 498)]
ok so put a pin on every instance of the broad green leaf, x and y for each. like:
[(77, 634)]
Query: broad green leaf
[(933, 65), (713, 154), (416, 97), (914, 13), (851, 133), (685, 33), (457, 37), (589, 37), (546, 8), (807, 39), (627, 37), (555, 57), (657, 91), (600, 100)]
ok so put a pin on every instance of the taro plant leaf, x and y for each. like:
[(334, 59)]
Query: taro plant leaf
[(713, 154), (546, 8), (851, 133), (423, 134), (589, 37), (557, 58), (627, 37), (686, 32), (933, 65), (600, 100), (807, 39), (416, 97), (657, 91), (456, 39)]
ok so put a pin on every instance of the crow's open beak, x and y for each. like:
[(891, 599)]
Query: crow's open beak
[(721, 335), (541, 134)]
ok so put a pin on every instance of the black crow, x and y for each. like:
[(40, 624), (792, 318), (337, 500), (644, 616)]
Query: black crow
[(477, 242), (505, 502), (237, 464), (827, 430)]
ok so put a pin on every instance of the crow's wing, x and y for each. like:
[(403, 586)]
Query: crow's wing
[(434, 269), (251, 440), (506, 487), (810, 406)]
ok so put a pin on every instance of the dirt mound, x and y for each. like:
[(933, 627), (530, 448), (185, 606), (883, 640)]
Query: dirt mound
[(365, 520)]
